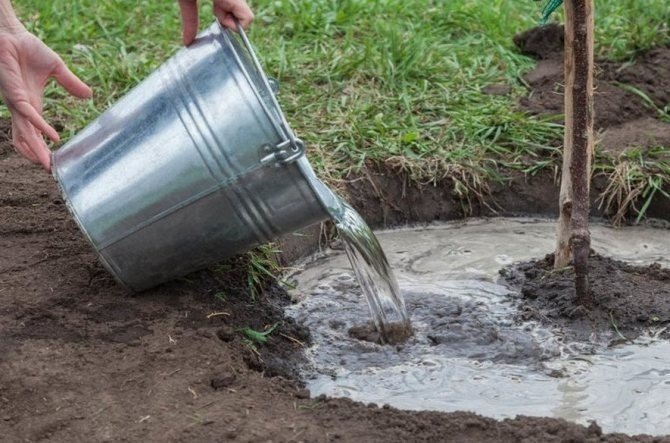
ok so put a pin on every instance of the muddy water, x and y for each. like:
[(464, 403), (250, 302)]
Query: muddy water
[(467, 353)]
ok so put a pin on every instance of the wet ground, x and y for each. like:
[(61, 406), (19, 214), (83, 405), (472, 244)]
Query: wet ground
[(629, 299), (81, 360), (469, 351)]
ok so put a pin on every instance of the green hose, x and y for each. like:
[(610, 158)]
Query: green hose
[(549, 8)]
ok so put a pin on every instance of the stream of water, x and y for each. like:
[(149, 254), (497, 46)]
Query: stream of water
[(467, 352), (374, 275)]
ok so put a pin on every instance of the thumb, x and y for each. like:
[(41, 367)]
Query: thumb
[(71, 82)]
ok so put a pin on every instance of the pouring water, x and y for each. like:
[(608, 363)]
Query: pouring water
[(374, 274)]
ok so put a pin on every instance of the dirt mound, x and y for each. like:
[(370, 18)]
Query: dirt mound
[(645, 133), (543, 42), (627, 300), (649, 73), (624, 91)]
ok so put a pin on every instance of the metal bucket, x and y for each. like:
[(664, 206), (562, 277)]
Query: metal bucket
[(195, 164)]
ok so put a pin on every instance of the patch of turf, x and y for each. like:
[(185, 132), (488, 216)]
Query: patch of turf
[(399, 81)]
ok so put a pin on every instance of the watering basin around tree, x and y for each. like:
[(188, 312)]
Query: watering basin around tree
[(469, 351)]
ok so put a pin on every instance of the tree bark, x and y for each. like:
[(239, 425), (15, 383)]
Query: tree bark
[(563, 253), (574, 238)]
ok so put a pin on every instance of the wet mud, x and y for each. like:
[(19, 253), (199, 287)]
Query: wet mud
[(625, 299), (474, 347), (396, 333)]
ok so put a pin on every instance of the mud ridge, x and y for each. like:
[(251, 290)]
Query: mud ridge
[(625, 301)]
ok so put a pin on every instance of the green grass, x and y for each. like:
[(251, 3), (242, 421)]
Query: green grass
[(360, 79), (261, 266), (258, 336), (633, 180), (397, 81), (253, 338)]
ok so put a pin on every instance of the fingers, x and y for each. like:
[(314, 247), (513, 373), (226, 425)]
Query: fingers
[(27, 111), (71, 82), (225, 18), (29, 142), (189, 20), (228, 10), (225, 10)]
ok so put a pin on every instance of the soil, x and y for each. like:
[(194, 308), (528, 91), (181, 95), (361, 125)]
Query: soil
[(615, 102), (633, 299), (624, 301), (82, 360), (396, 333)]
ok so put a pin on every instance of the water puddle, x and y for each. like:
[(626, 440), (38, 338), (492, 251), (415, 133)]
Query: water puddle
[(467, 353)]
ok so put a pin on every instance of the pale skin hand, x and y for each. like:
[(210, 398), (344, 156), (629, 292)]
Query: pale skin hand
[(26, 64), (224, 10)]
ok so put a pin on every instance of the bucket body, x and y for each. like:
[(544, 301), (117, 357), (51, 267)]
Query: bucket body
[(193, 165)]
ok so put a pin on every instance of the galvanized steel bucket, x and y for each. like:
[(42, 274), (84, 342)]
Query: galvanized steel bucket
[(195, 164)]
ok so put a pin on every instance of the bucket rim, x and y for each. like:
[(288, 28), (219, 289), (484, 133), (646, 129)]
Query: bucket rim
[(329, 201), (262, 90)]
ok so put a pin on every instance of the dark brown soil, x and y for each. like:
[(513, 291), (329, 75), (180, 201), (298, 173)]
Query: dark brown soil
[(543, 42), (615, 102), (646, 132), (5, 138), (81, 360), (625, 300), (631, 298)]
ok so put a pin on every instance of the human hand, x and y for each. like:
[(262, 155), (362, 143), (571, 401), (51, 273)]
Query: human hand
[(225, 10), (25, 66)]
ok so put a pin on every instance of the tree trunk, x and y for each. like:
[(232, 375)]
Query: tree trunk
[(573, 234)]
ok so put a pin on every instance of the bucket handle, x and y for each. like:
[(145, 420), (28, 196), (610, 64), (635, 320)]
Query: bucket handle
[(279, 154)]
